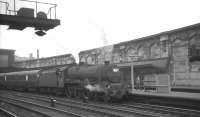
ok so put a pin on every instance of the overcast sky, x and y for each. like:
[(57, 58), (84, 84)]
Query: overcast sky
[(85, 24)]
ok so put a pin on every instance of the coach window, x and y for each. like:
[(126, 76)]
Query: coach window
[(26, 77)]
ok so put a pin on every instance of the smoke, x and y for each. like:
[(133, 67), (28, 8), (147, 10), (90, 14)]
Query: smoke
[(101, 31), (105, 52), (94, 88), (103, 37)]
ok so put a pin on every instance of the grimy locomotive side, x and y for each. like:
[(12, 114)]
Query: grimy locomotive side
[(103, 82)]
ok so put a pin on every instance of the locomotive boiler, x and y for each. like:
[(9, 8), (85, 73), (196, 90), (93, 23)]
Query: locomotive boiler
[(95, 81)]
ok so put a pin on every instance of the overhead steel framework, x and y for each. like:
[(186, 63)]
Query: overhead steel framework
[(20, 18)]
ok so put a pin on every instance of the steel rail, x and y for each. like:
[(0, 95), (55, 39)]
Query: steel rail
[(165, 109), (8, 113), (23, 107), (44, 107), (81, 107), (162, 110), (103, 107)]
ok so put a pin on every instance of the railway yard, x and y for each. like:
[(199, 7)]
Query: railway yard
[(153, 76), (21, 104)]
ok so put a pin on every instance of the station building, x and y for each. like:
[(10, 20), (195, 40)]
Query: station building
[(162, 61), (6, 58), (46, 62)]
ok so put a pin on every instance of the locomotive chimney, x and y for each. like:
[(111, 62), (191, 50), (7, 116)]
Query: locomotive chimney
[(38, 54)]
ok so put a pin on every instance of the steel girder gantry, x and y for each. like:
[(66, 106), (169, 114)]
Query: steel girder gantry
[(29, 17)]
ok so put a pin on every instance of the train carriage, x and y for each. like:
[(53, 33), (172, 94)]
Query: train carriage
[(48, 75), (20, 80)]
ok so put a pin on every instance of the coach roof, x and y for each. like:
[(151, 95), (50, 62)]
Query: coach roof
[(22, 72)]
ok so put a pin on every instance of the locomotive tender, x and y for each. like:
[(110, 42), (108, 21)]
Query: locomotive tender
[(92, 81)]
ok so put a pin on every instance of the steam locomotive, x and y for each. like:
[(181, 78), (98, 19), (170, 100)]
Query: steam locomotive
[(103, 82)]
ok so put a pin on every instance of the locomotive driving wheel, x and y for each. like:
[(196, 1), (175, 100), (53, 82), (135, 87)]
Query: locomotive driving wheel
[(94, 96), (70, 92), (78, 93), (106, 98), (67, 92)]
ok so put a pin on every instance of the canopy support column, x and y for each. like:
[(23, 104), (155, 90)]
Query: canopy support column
[(132, 77)]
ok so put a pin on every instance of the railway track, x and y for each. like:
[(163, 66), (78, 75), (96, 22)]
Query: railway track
[(165, 110), (21, 110), (97, 109), (118, 110), (155, 110), (36, 109), (6, 113)]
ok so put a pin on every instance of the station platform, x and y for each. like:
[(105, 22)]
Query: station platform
[(172, 94), (189, 89)]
